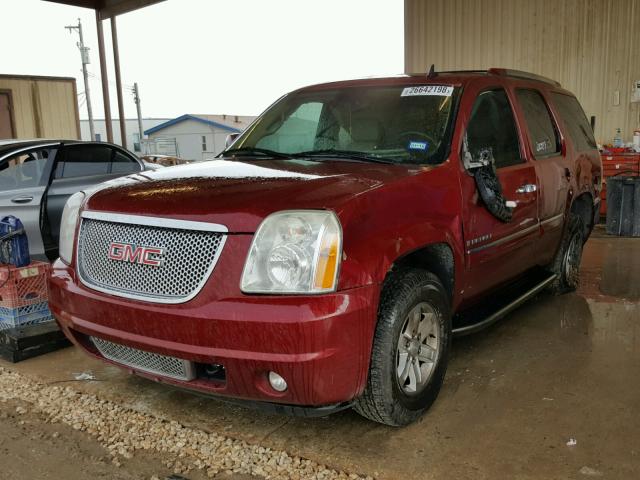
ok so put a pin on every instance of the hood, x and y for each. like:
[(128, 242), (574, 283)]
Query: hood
[(240, 194)]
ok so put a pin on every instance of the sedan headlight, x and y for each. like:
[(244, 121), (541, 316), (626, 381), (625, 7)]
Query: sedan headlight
[(68, 226), (295, 251)]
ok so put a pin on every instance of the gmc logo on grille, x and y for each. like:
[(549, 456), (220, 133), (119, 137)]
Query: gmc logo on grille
[(126, 252)]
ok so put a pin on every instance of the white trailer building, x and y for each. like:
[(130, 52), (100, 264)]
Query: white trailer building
[(193, 136)]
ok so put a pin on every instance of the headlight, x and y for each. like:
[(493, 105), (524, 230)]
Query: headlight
[(68, 226), (294, 252)]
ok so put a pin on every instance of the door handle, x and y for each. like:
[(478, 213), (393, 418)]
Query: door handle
[(24, 199), (528, 188)]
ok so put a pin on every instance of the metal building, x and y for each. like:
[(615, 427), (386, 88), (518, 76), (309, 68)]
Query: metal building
[(592, 47), (38, 107)]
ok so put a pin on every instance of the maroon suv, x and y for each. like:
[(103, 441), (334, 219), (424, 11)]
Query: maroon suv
[(328, 256)]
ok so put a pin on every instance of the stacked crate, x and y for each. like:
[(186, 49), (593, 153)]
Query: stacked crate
[(617, 164), (24, 295)]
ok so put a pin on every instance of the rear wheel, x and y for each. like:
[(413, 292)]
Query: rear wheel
[(566, 264), (410, 349)]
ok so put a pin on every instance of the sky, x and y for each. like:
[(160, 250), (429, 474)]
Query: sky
[(208, 56)]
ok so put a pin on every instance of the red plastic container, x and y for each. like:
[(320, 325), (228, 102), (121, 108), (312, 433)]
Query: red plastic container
[(23, 286)]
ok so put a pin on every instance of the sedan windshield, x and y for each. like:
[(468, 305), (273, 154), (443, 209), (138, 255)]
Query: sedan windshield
[(405, 124)]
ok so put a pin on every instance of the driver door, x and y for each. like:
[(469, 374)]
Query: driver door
[(498, 251), (23, 181)]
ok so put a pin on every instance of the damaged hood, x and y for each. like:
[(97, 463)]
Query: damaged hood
[(240, 194)]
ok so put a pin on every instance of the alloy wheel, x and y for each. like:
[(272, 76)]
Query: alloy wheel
[(418, 348), (572, 260)]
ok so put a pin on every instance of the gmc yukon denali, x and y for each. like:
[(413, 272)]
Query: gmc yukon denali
[(328, 256)]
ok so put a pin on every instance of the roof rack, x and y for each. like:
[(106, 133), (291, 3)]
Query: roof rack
[(507, 72), (463, 71)]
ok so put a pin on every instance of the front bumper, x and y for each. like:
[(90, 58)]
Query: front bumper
[(320, 344)]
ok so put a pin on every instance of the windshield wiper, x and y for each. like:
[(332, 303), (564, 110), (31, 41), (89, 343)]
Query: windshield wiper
[(349, 154), (253, 151)]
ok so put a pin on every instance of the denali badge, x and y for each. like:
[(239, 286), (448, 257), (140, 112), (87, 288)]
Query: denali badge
[(126, 252)]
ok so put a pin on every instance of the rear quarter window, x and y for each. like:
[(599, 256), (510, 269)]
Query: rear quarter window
[(575, 121), (543, 132)]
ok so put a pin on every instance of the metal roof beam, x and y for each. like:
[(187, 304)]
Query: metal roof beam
[(109, 8)]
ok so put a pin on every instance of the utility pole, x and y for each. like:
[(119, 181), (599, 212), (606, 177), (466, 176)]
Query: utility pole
[(136, 98), (84, 56)]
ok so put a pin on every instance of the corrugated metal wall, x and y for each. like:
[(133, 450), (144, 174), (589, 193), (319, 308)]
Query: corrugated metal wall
[(43, 107), (592, 47)]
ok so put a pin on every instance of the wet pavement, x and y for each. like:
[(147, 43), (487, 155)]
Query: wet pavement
[(558, 371)]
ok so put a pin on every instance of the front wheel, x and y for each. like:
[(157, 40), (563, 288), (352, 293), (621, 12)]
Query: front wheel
[(410, 349)]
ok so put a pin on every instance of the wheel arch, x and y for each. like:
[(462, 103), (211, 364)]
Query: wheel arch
[(583, 206), (437, 258)]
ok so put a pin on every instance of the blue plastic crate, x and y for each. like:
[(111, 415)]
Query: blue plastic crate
[(26, 315)]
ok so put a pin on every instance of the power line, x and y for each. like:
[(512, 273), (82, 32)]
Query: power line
[(113, 84)]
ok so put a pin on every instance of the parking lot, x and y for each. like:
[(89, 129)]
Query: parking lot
[(549, 392)]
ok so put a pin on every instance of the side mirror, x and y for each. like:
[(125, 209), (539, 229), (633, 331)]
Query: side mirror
[(480, 158), (232, 137)]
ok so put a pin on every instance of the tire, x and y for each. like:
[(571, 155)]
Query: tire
[(566, 264), (386, 398), (490, 192)]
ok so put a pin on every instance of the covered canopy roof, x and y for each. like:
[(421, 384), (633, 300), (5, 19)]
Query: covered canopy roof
[(109, 8)]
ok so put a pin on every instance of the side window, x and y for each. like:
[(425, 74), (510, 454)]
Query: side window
[(122, 163), (298, 130), (84, 160), (493, 128), (542, 131), (575, 121), (23, 170)]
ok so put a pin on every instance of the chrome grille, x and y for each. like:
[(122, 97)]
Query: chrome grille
[(146, 361), (188, 259)]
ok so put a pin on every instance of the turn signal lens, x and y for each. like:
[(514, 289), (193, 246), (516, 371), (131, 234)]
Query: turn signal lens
[(327, 266)]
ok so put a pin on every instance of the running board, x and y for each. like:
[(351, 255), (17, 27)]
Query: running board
[(509, 307)]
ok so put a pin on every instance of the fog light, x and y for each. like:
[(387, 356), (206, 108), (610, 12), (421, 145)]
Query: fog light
[(277, 382)]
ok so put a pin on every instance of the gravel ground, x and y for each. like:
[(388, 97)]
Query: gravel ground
[(33, 449), (127, 442)]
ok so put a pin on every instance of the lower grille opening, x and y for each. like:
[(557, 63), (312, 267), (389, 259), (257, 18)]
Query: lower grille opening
[(148, 362)]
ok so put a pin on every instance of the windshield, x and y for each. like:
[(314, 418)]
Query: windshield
[(397, 124)]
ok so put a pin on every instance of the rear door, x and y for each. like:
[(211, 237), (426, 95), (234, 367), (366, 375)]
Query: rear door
[(498, 251), (23, 180), (80, 166), (544, 149)]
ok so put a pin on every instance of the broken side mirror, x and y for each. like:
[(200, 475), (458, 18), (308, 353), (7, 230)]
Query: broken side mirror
[(473, 158), (232, 137)]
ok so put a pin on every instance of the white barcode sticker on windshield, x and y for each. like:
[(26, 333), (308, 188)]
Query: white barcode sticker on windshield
[(440, 90)]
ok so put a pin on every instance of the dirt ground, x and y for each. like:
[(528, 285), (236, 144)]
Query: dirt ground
[(31, 448), (548, 393)]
